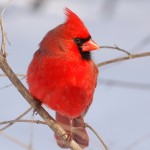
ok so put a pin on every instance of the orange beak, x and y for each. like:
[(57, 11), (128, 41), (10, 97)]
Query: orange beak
[(89, 46)]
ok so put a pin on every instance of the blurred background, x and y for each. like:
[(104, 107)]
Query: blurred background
[(121, 107)]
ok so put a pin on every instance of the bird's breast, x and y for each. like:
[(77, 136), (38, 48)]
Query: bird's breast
[(67, 86)]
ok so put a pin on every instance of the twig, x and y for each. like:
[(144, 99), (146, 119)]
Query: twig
[(14, 140), (116, 48), (3, 48), (100, 139), (9, 85), (23, 121), (4, 9), (23, 114), (123, 58)]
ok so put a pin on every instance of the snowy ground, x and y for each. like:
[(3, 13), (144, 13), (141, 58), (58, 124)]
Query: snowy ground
[(119, 113)]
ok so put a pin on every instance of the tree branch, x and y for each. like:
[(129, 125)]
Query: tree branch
[(123, 58), (23, 121), (74, 129), (99, 138), (116, 48), (2, 51)]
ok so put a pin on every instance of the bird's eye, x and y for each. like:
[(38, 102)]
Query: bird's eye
[(77, 41)]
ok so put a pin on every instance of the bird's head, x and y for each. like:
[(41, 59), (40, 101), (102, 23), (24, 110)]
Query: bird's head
[(72, 35), (77, 33)]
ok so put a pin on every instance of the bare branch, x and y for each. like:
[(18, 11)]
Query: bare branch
[(3, 50), (4, 38), (23, 121), (100, 139), (9, 85), (116, 48), (22, 115), (4, 9), (123, 58), (74, 129)]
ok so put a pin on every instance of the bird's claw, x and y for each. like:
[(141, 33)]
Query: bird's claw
[(38, 103)]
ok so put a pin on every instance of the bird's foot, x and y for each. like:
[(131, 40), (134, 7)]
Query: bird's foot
[(38, 104), (61, 143), (69, 136)]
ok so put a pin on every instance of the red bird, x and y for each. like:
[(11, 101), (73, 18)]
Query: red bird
[(62, 75)]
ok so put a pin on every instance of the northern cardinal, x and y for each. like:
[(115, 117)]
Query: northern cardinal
[(62, 75)]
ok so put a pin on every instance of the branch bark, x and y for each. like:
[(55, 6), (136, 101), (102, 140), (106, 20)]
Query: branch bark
[(40, 110)]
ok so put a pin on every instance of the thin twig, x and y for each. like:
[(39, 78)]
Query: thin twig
[(4, 37), (4, 9), (22, 115), (100, 139), (9, 85), (123, 58), (23, 121), (3, 50), (116, 48)]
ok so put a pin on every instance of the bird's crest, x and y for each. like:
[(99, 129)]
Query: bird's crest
[(75, 23)]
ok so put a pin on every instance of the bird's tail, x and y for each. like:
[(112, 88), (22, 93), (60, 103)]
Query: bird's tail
[(74, 128)]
